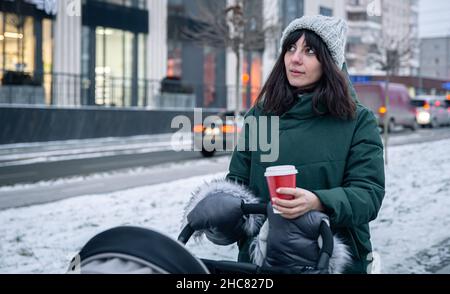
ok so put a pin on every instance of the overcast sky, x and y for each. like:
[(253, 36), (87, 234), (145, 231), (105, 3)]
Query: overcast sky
[(434, 18)]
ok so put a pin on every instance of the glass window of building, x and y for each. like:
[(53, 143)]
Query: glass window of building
[(142, 73), (142, 4), (114, 53), (196, 66), (292, 9), (47, 57), (177, 13), (17, 37), (251, 78), (174, 61), (209, 77), (114, 66), (26, 50), (325, 11)]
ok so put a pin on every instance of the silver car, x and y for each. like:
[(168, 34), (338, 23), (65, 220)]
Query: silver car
[(431, 111)]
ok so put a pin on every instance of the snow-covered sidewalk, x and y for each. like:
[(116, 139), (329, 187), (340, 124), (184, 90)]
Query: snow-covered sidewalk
[(414, 216)]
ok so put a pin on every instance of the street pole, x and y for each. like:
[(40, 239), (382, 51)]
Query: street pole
[(447, 39), (420, 69), (386, 117)]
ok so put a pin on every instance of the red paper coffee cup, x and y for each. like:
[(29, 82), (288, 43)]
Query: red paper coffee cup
[(282, 176)]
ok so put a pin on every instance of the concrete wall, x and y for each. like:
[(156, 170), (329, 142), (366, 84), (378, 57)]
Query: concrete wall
[(40, 124)]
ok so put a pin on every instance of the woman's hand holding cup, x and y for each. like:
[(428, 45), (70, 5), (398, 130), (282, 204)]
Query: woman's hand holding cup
[(303, 201)]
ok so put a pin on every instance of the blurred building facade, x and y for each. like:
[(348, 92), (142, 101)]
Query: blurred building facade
[(377, 27), (435, 58), (212, 70), (125, 53)]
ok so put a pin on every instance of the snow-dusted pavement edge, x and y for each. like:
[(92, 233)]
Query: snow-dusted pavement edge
[(413, 219)]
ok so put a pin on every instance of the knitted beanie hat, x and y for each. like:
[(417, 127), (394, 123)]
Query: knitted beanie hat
[(333, 32)]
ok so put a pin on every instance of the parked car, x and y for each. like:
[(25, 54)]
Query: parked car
[(432, 111), (400, 110), (222, 132)]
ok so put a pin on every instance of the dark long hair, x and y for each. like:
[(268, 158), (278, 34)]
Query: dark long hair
[(278, 96)]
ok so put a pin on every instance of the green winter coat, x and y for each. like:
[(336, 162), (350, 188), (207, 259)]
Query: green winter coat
[(340, 161)]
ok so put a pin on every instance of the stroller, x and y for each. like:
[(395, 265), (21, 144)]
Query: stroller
[(144, 251)]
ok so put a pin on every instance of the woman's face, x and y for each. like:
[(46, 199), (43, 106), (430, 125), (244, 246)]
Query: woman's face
[(302, 67)]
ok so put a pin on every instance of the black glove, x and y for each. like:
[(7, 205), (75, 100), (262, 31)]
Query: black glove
[(215, 209), (220, 217)]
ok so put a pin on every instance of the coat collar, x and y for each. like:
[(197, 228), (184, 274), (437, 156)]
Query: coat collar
[(303, 109)]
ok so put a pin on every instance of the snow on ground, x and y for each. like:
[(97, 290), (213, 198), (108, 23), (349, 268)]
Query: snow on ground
[(43, 238), (415, 214), (414, 217)]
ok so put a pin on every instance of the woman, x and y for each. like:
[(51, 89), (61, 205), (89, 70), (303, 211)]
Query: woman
[(331, 139)]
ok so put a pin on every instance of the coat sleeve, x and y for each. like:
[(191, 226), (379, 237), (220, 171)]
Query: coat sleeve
[(239, 169), (359, 198)]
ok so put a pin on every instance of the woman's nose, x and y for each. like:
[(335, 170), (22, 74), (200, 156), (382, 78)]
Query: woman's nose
[(297, 57)]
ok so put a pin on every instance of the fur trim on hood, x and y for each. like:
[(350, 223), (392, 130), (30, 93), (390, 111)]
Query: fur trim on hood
[(252, 222)]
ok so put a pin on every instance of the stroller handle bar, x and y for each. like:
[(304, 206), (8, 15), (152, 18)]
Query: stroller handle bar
[(247, 208), (254, 208), (186, 234)]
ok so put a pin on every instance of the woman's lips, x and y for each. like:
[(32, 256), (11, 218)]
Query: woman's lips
[(296, 73)]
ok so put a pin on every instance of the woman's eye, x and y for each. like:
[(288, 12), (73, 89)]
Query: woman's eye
[(310, 51), (291, 49)]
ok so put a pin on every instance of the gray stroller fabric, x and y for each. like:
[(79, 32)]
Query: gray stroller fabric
[(296, 243)]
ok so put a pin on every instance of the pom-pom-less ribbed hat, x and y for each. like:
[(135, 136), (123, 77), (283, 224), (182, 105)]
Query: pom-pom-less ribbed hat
[(333, 32)]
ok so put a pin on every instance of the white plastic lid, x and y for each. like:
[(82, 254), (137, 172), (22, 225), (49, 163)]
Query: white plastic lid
[(280, 170)]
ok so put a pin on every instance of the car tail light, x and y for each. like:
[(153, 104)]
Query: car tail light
[(228, 129), (382, 110), (437, 103), (198, 129), (426, 105)]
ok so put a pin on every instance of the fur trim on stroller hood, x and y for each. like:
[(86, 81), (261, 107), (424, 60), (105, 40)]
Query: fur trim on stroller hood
[(252, 222), (340, 259)]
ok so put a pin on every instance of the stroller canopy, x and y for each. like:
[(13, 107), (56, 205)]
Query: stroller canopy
[(135, 250)]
